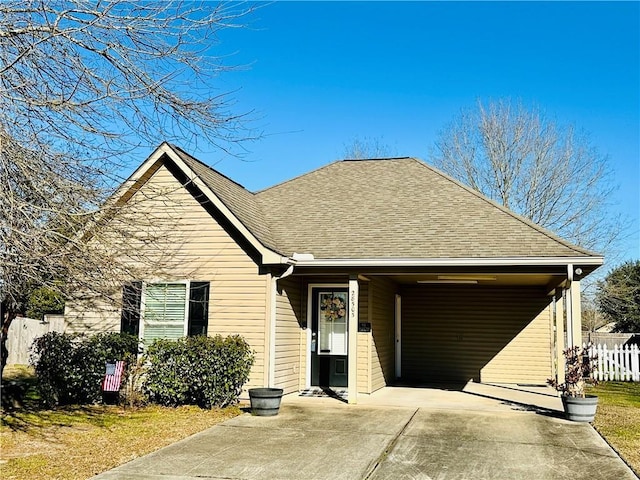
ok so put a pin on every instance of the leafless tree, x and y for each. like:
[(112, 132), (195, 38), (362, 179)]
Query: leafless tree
[(366, 148), (548, 173), (592, 318), (84, 84)]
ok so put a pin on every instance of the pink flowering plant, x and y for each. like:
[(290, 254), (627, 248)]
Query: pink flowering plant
[(333, 308), (580, 367)]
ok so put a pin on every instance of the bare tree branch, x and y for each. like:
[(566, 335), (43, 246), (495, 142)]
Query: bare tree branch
[(110, 76), (366, 148), (83, 83), (545, 172)]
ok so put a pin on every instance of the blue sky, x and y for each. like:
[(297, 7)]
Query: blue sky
[(320, 74)]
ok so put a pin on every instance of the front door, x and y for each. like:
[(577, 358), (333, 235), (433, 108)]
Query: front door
[(329, 337)]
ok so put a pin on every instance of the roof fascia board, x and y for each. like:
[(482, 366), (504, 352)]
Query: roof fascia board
[(268, 256), (449, 262), (124, 192), (129, 183)]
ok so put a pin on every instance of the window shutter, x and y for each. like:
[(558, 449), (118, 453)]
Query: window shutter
[(198, 308), (130, 316)]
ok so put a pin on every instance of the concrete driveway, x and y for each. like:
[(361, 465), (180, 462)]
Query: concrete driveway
[(321, 438)]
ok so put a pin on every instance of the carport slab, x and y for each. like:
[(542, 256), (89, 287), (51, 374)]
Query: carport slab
[(473, 445)]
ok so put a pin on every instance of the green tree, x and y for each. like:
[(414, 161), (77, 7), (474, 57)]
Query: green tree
[(43, 300), (618, 296)]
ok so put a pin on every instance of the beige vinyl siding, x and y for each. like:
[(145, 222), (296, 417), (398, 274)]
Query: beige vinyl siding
[(463, 332), (288, 334), (364, 341), (383, 332), (189, 244), (509, 366), (85, 316)]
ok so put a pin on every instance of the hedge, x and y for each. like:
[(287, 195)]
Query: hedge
[(204, 371), (70, 367)]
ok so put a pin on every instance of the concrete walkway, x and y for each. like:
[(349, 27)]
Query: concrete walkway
[(438, 437)]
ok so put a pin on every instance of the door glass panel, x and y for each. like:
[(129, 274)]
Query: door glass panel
[(332, 323)]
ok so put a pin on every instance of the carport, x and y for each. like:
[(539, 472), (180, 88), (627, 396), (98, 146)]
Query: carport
[(502, 321)]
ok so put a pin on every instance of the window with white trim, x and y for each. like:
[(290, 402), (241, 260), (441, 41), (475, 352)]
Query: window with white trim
[(165, 309)]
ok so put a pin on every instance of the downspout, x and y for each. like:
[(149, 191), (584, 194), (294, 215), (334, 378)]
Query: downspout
[(272, 332)]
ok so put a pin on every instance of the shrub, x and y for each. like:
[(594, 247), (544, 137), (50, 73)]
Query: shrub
[(204, 371), (70, 368)]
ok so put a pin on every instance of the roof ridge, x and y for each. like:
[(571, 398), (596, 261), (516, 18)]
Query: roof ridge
[(548, 233), (374, 159), (284, 182), (335, 162)]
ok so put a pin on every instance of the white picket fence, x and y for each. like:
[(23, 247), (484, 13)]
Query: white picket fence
[(621, 363)]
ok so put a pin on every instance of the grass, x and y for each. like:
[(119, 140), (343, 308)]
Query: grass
[(618, 418), (82, 441)]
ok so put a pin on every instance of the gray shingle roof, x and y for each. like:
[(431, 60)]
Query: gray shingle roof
[(390, 208), (397, 208)]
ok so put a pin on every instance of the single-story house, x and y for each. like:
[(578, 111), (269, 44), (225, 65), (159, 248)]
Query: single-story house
[(355, 275)]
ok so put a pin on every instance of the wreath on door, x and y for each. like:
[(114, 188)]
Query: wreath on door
[(333, 308)]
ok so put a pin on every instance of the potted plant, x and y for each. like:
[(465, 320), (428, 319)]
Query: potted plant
[(580, 365)]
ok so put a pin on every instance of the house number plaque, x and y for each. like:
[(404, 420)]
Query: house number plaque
[(352, 310)]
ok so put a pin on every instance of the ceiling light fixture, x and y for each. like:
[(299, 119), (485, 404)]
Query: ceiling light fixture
[(467, 282), (468, 277)]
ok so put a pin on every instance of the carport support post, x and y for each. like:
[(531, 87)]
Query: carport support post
[(559, 317), (573, 307), (352, 377), (576, 313)]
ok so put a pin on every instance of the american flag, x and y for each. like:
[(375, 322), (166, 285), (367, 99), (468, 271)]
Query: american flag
[(113, 377)]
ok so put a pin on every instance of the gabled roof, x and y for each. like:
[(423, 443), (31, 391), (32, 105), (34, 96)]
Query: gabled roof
[(238, 199), (231, 199), (398, 208)]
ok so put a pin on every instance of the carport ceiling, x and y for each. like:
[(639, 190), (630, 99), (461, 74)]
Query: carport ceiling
[(480, 279)]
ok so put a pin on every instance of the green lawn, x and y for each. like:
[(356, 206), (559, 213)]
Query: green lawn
[(618, 418), (79, 442)]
